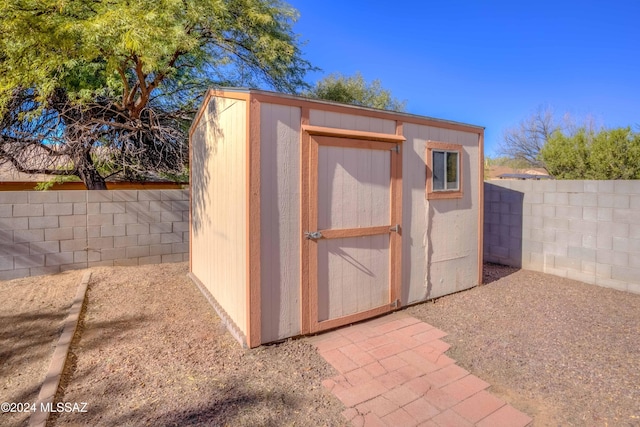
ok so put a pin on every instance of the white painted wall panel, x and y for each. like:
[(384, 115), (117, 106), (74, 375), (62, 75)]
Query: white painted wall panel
[(353, 275), (454, 263), (219, 203), (440, 240), (280, 221), (353, 187), (351, 121), (414, 220)]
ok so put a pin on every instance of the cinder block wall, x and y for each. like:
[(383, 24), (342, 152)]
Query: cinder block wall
[(584, 230), (48, 232)]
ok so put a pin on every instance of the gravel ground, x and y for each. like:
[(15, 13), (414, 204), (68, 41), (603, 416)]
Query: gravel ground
[(565, 352), (151, 351)]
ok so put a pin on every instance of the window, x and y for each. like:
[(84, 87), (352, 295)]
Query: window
[(444, 174)]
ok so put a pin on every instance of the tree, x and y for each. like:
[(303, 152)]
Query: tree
[(355, 90), (524, 141), (615, 154), (591, 154), (90, 88), (567, 156)]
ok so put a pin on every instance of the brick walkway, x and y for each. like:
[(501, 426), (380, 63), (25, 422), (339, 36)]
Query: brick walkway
[(393, 372)]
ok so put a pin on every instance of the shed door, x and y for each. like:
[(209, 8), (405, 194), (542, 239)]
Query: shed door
[(353, 230)]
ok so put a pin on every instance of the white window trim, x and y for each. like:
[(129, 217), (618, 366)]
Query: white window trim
[(446, 165)]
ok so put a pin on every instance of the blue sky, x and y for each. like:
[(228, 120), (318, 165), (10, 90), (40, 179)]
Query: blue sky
[(488, 63)]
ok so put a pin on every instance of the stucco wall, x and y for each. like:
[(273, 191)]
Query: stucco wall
[(584, 230), (52, 231)]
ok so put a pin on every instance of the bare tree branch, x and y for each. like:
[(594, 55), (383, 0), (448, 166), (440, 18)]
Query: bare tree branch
[(525, 141)]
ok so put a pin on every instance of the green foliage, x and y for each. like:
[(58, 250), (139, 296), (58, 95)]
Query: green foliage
[(355, 90), (589, 154), (182, 177), (94, 48), (47, 185), (127, 76), (615, 154)]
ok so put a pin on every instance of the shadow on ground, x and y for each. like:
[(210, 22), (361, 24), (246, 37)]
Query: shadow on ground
[(493, 272)]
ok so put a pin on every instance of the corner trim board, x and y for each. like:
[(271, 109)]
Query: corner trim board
[(253, 306)]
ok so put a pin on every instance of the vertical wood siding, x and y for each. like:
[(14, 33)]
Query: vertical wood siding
[(353, 187), (439, 237), (351, 121), (353, 191), (219, 203), (280, 221), (440, 248), (346, 285)]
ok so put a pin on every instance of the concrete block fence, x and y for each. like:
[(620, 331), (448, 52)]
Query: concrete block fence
[(52, 231), (583, 230)]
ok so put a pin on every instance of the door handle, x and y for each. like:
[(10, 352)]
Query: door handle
[(313, 235)]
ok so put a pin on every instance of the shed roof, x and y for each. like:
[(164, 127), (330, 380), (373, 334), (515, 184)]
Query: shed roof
[(297, 99)]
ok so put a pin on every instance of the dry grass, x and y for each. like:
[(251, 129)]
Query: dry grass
[(153, 352), (31, 315)]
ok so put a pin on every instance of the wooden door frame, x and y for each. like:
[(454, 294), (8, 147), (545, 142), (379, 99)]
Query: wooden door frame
[(309, 188)]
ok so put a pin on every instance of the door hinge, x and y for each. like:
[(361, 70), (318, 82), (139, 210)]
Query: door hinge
[(313, 235), (396, 148), (395, 304), (395, 228)]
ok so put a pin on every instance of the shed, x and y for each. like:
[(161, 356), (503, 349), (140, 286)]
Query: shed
[(307, 215)]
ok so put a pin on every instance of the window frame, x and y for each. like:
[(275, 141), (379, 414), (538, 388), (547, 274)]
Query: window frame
[(436, 146)]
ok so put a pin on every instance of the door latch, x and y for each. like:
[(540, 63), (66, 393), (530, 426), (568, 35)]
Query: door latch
[(313, 235), (395, 228)]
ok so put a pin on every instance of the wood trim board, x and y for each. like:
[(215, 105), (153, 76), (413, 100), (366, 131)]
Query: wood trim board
[(395, 245), (353, 134), (451, 194), (348, 138), (395, 216), (312, 252), (253, 306), (355, 232), (305, 141), (480, 206), (298, 101)]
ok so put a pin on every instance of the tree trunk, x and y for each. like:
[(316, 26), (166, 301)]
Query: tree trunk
[(87, 172)]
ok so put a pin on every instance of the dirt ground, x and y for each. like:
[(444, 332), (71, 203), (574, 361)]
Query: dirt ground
[(31, 314), (151, 351)]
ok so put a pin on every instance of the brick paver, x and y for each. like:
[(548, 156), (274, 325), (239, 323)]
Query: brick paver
[(394, 372), (421, 409), (507, 416), (380, 406), (400, 418), (465, 387), (447, 375), (478, 406)]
